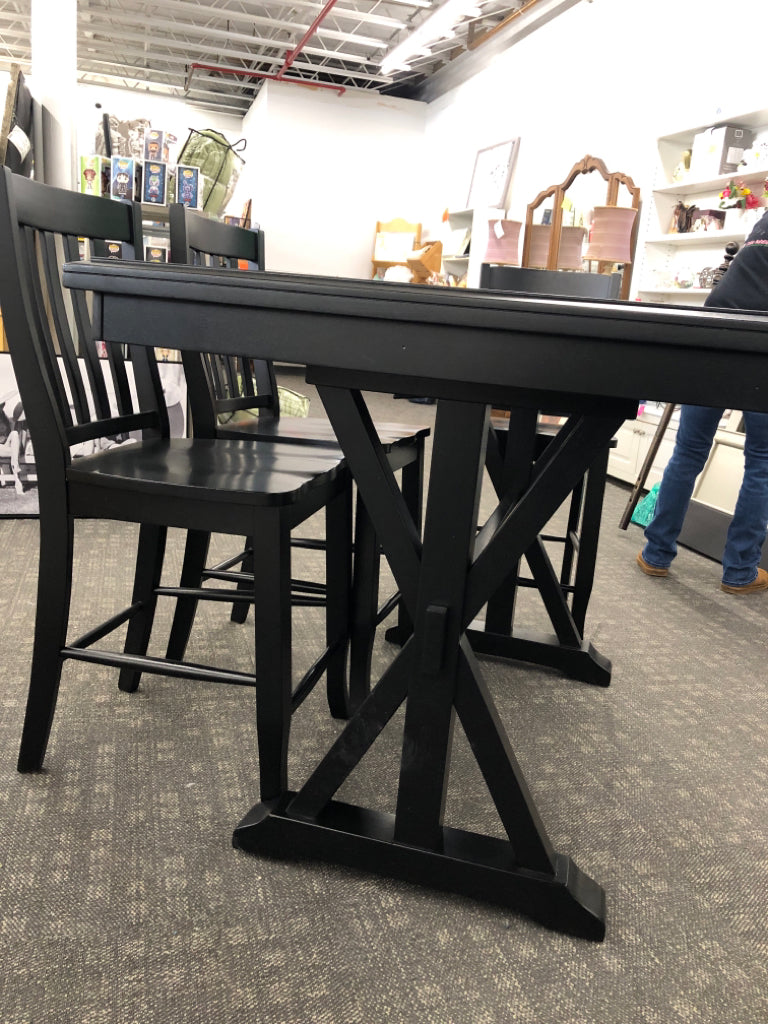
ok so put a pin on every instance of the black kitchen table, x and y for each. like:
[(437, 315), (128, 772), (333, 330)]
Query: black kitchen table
[(590, 359)]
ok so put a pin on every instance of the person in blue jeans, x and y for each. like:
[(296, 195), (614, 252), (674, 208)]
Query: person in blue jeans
[(744, 286)]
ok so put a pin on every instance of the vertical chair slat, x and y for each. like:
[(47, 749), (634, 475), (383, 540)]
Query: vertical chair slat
[(86, 348), (39, 299), (64, 341)]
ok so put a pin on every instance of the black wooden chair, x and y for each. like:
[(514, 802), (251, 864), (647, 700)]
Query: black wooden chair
[(531, 436), (71, 395), (246, 405)]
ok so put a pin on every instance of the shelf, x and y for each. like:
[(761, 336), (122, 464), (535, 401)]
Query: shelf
[(674, 291), (684, 188), (752, 119), (662, 256), (470, 228), (719, 238)]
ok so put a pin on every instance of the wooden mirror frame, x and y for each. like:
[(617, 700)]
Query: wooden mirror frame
[(613, 180)]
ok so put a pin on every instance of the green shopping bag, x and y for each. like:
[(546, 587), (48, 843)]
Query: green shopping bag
[(645, 508)]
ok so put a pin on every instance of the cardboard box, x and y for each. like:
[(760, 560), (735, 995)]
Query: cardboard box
[(719, 151)]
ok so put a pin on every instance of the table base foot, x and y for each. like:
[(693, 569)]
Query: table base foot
[(469, 864), (584, 663), (397, 635)]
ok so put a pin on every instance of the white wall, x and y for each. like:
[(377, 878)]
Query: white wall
[(605, 78), (323, 168)]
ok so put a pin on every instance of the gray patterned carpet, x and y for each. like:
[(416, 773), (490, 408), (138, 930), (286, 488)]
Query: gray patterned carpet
[(123, 902)]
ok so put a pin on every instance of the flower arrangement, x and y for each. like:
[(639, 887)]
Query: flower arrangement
[(737, 194)]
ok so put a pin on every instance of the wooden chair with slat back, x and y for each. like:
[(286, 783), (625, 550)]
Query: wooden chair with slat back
[(399, 235), (578, 539), (78, 393), (247, 405)]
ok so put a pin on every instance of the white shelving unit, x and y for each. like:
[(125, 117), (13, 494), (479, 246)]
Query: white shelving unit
[(662, 255), (472, 224)]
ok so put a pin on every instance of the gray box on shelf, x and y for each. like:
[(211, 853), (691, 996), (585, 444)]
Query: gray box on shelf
[(719, 150)]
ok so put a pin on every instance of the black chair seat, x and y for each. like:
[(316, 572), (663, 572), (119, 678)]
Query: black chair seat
[(311, 431), (214, 471)]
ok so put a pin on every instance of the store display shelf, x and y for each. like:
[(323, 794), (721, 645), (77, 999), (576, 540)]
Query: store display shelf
[(697, 238), (684, 188), (679, 292)]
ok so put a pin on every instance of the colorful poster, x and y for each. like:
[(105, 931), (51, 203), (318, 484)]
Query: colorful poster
[(121, 180), (90, 175), (188, 186), (155, 183)]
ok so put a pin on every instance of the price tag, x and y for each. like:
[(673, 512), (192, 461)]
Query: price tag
[(21, 143)]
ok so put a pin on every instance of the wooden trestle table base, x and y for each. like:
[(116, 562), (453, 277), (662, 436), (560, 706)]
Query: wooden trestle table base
[(592, 359)]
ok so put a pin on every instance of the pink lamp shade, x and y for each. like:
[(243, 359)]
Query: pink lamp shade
[(611, 234), (538, 255), (503, 242), (571, 242)]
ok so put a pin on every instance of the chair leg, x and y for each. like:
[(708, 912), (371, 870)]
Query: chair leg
[(338, 579), (272, 628), (149, 569), (54, 591), (412, 486), (589, 536), (240, 608), (195, 554)]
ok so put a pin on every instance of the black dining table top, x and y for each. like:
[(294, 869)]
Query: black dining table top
[(445, 336)]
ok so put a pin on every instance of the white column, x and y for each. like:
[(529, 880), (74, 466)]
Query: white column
[(54, 84)]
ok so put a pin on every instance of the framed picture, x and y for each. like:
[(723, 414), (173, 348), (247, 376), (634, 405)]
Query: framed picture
[(18, 472), (491, 175)]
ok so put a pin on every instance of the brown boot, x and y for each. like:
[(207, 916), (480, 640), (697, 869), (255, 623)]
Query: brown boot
[(651, 570), (760, 582)]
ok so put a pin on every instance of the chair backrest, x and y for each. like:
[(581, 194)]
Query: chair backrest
[(224, 384), (75, 389), (549, 282)]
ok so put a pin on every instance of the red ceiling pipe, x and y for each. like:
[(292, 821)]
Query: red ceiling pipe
[(291, 56), (340, 89)]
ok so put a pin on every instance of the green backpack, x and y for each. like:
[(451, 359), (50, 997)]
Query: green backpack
[(218, 161)]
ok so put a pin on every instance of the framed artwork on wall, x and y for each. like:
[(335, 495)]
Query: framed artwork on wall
[(491, 175)]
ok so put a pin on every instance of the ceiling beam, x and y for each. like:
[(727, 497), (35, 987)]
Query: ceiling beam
[(198, 50), (107, 21)]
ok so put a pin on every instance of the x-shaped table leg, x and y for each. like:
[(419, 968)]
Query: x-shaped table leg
[(444, 582)]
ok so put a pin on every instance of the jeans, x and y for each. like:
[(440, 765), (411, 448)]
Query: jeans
[(746, 532)]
